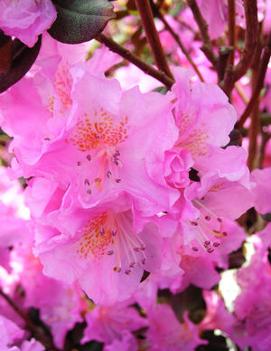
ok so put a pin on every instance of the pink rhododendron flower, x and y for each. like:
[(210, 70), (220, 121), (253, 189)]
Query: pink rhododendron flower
[(252, 306), (32, 345), (199, 263), (100, 243), (131, 76), (127, 343), (205, 119), (169, 276), (215, 13), (177, 166), (109, 323), (60, 304), (262, 191), (217, 316), (12, 335), (13, 217), (49, 98), (196, 112), (199, 271), (103, 135), (26, 19), (167, 333), (211, 213), (126, 192)]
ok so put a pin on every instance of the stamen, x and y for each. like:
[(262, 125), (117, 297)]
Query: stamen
[(110, 235), (103, 132), (86, 182), (194, 223)]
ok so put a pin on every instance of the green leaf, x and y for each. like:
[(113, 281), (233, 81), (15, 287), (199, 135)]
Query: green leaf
[(21, 60), (79, 21)]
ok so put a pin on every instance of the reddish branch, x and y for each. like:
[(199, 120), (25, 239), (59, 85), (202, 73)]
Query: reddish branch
[(225, 63), (251, 41), (127, 55), (203, 27), (265, 139), (147, 19), (12, 304), (259, 83), (253, 131), (251, 38), (231, 25), (177, 38)]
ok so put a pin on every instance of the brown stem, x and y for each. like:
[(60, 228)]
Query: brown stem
[(265, 139), (226, 78), (251, 38), (232, 75), (231, 25), (14, 306), (241, 93), (35, 330), (177, 38), (223, 62), (254, 129), (203, 27), (146, 15), (258, 84), (127, 55)]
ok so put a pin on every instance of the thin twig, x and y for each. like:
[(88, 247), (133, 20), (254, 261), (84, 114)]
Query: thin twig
[(251, 38), (258, 84), (223, 62), (177, 38), (254, 129), (226, 77), (203, 27), (14, 306), (241, 93), (264, 142), (231, 25), (127, 55), (152, 35)]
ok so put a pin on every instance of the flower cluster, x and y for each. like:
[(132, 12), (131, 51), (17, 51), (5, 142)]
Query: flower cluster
[(122, 198)]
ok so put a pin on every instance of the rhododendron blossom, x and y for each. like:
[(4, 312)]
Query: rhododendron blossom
[(167, 333), (135, 175), (26, 19), (99, 242)]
